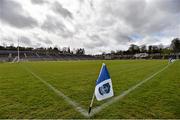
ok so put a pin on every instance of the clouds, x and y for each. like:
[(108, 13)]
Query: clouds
[(53, 25), (13, 14), (46, 41), (141, 16), (168, 5), (95, 42), (59, 9), (39, 2), (96, 25), (138, 17), (26, 41), (56, 26)]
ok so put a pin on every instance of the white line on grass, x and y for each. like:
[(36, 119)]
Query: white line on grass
[(115, 99), (59, 93)]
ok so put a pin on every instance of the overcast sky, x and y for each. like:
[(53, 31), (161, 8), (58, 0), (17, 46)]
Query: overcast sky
[(96, 25)]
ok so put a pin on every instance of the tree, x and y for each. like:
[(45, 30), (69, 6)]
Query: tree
[(2, 48), (55, 49), (166, 51), (69, 50), (155, 49), (112, 52), (150, 49), (103, 53), (161, 48), (143, 49), (134, 49), (175, 45), (119, 52), (64, 50), (11, 47), (80, 51), (49, 49)]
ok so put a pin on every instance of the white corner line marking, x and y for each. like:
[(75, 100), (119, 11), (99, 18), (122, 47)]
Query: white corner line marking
[(74, 104), (117, 98)]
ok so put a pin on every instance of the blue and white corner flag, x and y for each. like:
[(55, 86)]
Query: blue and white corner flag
[(103, 89)]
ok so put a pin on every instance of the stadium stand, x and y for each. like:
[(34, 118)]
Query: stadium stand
[(9, 56)]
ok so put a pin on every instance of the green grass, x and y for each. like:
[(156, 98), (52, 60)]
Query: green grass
[(24, 96)]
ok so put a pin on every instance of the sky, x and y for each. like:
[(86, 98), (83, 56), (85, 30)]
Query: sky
[(96, 25)]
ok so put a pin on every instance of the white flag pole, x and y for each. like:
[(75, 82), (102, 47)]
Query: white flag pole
[(90, 107), (18, 49)]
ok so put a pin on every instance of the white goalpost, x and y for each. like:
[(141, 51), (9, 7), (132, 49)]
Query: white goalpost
[(18, 50), (17, 58)]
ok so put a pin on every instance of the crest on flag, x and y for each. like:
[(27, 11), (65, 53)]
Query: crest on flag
[(104, 89)]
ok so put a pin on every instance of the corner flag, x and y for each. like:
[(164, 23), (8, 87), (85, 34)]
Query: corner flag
[(103, 89)]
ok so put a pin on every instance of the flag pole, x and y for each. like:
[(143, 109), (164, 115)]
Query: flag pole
[(90, 106)]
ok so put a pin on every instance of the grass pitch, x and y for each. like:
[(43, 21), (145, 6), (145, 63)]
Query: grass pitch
[(24, 96)]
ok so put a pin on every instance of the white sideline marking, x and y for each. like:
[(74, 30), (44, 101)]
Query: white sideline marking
[(115, 99), (59, 93)]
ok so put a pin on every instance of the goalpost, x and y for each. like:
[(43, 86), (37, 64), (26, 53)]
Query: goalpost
[(18, 50), (17, 58)]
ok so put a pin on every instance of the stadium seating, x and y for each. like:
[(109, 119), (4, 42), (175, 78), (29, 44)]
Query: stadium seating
[(8, 56)]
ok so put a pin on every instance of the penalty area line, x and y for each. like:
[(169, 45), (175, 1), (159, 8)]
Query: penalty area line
[(117, 98), (74, 104)]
